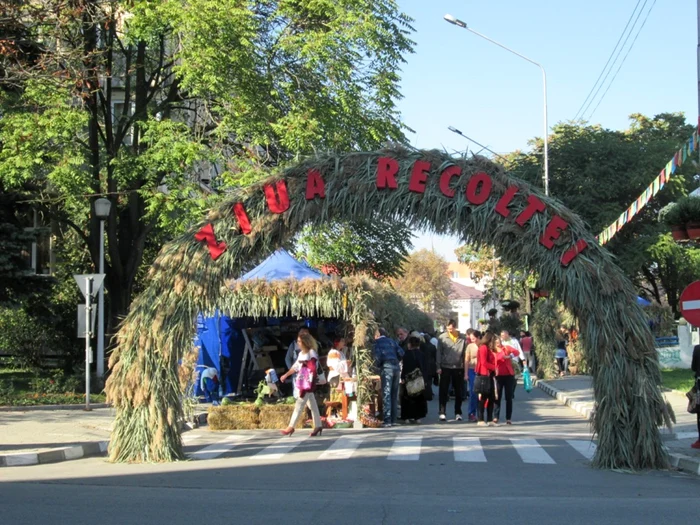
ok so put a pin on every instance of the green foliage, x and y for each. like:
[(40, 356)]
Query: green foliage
[(678, 379), (56, 383), (139, 107), (25, 338), (599, 172), (544, 326), (372, 246), (685, 210), (426, 284)]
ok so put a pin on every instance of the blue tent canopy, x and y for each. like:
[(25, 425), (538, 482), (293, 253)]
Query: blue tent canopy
[(642, 302), (221, 337), (280, 265)]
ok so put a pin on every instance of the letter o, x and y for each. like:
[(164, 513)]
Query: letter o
[(479, 188)]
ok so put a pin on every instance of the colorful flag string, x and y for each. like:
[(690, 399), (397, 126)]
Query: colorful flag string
[(650, 192)]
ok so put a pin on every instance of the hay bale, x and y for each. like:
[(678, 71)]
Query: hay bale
[(277, 416), (234, 417)]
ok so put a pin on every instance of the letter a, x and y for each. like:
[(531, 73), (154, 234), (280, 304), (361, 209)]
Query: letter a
[(315, 187)]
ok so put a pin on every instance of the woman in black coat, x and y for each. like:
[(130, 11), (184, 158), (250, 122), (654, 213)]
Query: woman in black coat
[(413, 408), (695, 367)]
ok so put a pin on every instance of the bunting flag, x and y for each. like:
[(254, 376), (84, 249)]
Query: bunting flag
[(655, 187)]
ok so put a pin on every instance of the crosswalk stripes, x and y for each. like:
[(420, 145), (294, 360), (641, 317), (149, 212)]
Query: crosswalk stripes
[(406, 448), (343, 448), (468, 449), (220, 447), (585, 448), (530, 451), (280, 447)]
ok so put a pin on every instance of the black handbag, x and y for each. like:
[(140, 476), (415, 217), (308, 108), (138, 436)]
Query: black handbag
[(483, 385)]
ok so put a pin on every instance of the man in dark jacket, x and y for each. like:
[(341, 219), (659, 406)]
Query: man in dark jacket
[(387, 355), (450, 368)]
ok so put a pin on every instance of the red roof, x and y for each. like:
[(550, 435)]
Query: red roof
[(459, 291)]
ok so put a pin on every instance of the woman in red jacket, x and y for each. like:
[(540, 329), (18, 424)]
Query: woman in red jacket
[(485, 371), (505, 379)]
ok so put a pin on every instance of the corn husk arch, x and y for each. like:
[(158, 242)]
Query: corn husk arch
[(184, 280)]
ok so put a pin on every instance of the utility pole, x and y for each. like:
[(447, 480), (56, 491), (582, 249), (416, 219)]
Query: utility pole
[(698, 13)]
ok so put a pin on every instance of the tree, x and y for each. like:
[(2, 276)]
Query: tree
[(373, 246), (142, 100), (426, 284), (599, 172)]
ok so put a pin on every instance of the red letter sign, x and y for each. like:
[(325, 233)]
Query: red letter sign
[(419, 175), (572, 253), (534, 205), (552, 231), (277, 202), (479, 188), (315, 187), (503, 202), (242, 216), (446, 177), (207, 234), (387, 168)]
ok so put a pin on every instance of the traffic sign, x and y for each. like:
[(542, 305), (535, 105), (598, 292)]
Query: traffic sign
[(690, 303), (82, 320), (97, 279)]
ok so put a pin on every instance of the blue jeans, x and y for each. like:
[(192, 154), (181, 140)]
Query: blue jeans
[(391, 378), (472, 396)]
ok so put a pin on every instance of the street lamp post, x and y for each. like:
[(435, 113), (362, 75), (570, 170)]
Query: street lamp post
[(459, 23), (102, 209)]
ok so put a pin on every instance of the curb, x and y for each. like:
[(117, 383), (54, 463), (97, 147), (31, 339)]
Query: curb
[(677, 461), (97, 448), (31, 408), (585, 409)]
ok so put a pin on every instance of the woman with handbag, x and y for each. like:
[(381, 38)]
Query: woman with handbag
[(484, 381), (307, 369), (695, 367), (505, 379), (414, 405)]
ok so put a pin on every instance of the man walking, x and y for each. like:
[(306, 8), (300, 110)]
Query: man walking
[(450, 364), (388, 354)]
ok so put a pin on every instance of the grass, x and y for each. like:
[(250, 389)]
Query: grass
[(16, 390), (677, 379)]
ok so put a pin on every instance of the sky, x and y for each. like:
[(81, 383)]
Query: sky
[(455, 78)]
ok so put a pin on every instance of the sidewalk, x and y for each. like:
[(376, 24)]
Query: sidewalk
[(577, 393), (48, 436)]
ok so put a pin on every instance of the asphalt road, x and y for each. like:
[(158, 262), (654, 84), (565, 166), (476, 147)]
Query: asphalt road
[(533, 472)]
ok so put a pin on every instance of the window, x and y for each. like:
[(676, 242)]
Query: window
[(455, 275), (38, 254)]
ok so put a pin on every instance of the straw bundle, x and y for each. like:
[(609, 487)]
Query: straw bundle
[(234, 417), (185, 280), (277, 416)]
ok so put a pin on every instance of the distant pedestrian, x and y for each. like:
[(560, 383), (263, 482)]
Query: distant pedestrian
[(413, 407), (695, 366), (430, 355), (560, 355), (485, 373), (526, 345), (387, 355), (505, 380), (470, 356), (450, 367)]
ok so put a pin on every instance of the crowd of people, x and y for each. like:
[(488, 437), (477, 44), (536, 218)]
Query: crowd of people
[(480, 368), (477, 367)]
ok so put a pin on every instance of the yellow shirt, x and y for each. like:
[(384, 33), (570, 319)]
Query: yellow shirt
[(453, 337)]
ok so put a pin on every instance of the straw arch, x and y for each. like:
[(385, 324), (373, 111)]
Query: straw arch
[(473, 198)]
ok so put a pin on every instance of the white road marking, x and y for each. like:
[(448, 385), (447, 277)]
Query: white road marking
[(220, 447), (530, 451), (469, 450), (406, 448), (585, 448), (343, 447), (279, 448)]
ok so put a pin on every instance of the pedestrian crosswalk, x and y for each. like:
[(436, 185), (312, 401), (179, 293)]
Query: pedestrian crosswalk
[(404, 447)]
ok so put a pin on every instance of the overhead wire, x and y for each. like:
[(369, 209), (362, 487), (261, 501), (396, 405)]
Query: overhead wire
[(623, 60), (585, 106), (602, 72)]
